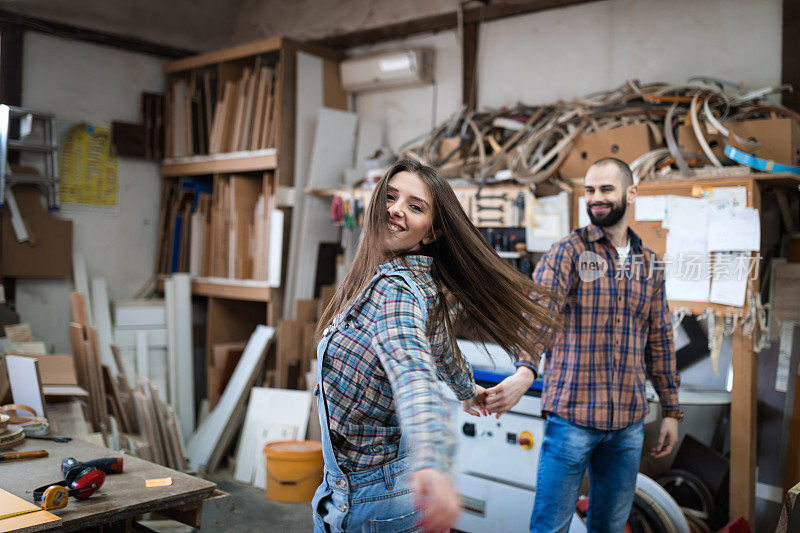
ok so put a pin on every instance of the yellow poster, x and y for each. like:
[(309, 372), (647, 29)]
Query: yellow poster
[(87, 170)]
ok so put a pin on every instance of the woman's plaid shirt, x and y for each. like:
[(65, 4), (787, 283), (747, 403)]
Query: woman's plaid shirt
[(380, 375), (617, 331)]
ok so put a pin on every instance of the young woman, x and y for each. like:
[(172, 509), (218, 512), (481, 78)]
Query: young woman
[(385, 338)]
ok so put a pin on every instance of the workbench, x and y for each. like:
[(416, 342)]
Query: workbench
[(122, 496)]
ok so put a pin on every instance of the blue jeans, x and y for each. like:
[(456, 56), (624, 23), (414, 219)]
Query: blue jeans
[(374, 500), (613, 461)]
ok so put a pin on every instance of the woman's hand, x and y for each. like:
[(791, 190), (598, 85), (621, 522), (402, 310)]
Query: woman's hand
[(437, 499), (507, 393), (477, 405)]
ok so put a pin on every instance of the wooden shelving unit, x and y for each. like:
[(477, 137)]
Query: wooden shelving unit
[(236, 306), (220, 163), (230, 289)]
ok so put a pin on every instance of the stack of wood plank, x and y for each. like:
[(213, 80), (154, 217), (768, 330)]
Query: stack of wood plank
[(296, 348), (159, 428), (135, 419), (227, 236), (85, 350), (210, 115)]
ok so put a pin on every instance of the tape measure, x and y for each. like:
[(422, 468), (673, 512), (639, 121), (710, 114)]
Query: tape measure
[(55, 497)]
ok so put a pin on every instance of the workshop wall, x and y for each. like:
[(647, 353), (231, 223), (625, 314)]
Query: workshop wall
[(85, 82), (565, 53)]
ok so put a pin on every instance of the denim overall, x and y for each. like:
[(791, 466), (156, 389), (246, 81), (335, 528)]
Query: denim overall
[(373, 500)]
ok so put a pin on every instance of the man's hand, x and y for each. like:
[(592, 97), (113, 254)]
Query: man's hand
[(436, 498), (477, 405), (507, 393), (667, 439)]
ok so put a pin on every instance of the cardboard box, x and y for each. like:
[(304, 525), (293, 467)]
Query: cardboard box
[(625, 143), (778, 138)]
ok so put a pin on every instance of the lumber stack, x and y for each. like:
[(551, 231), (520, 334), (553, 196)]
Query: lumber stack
[(296, 348), (226, 234), (136, 419), (159, 427), (212, 115), (85, 350)]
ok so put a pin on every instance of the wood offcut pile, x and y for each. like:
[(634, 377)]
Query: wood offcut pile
[(136, 419), (658, 128), (210, 113)]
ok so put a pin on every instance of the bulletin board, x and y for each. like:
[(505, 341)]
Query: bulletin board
[(654, 236)]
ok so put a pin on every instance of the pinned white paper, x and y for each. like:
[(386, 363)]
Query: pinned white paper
[(548, 222), (729, 196), (687, 266), (729, 278), (734, 229), (650, 208), (685, 214)]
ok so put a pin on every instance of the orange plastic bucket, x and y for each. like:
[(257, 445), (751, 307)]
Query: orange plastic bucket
[(294, 470)]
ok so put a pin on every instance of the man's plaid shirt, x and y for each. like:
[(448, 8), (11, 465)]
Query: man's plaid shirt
[(617, 330), (380, 375)]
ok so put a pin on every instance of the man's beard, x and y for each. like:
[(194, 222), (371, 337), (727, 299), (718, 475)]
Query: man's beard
[(614, 215)]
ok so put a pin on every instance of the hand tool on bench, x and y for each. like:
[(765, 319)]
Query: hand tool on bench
[(54, 439), (11, 456)]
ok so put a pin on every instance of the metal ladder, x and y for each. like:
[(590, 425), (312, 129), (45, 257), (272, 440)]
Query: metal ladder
[(48, 147)]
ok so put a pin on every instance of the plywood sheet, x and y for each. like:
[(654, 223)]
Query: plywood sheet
[(211, 431), (19, 332), (272, 415), (26, 388), (49, 253), (57, 369), (12, 504)]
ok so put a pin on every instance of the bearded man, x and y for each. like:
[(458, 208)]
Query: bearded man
[(617, 332)]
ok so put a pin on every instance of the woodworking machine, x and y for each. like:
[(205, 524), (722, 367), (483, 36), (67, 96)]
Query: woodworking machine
[(497, 459)]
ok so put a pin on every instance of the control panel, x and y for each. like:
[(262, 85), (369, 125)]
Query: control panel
[(505, 448)]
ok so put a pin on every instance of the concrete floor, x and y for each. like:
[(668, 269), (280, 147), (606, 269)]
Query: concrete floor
[(252, 511)]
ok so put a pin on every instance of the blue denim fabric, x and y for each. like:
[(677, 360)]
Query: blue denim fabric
[(613, 461), (375, 500)]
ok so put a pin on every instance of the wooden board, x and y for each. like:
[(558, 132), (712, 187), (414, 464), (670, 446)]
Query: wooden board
[(102, 320), (224, 357), (57, 369), (272, 415), (288, 351), (121, 496), (184, 359), (19, 332), (216, 426), (49, 253), (785, 295), (81, 278), (26, 388), (10, 504)]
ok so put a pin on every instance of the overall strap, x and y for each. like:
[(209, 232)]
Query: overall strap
[(322, 404), (414, 288)]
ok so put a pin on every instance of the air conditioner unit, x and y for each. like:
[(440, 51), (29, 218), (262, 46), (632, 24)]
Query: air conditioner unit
[(388, 70)]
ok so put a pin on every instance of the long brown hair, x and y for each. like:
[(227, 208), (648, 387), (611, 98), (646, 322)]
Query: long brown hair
[(500, 303)]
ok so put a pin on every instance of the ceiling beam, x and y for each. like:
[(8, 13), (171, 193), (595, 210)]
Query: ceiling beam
[(445, 21), (68, 31)]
